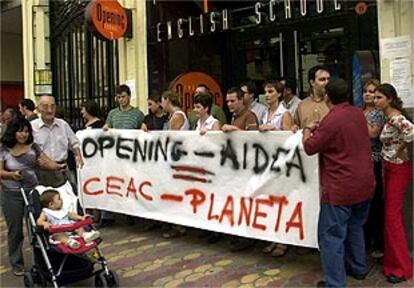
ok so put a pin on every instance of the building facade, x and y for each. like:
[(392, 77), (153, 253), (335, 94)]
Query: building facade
[(231, 41)]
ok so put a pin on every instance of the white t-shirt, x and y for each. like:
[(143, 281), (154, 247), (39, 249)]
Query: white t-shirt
[(208, 124), (276, 118)]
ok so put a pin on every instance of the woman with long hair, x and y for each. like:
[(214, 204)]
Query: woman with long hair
[(397, 170), (374, 232), (18, 158)]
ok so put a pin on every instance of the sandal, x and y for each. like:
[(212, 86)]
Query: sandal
[(377, 254), (280, 250), (269, 248), (18, 271)]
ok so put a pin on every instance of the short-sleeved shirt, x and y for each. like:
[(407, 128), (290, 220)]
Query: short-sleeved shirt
[(346, 169), (55, 140), (309, 111), (259, 109), (208, 124), (377, 118), (245, 120), (25, 163), (131, 119), (57, 217), (155, 123), (95, 125), (397, 130), (292, 105), (276, 119), (216, 111)]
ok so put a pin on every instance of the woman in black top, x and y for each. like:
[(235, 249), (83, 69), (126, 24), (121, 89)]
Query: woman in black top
[(91, 113), (156, 117)]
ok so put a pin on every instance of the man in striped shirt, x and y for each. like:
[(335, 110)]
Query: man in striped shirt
[(125, 116)]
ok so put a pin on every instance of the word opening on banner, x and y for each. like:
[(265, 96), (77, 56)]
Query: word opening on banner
[(251, 184)]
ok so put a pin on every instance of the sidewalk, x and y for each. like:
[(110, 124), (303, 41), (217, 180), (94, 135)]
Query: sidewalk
[(145, 259)]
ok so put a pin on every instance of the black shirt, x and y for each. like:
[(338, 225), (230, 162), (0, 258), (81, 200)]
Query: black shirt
[(155, 123)]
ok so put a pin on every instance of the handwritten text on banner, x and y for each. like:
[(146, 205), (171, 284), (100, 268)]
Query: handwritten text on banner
[(257, 185)]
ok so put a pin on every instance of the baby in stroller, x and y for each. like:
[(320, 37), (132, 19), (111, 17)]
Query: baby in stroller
[(53, 214), (59, 262)]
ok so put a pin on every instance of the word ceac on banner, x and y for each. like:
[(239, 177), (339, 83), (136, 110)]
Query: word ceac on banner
[(251, 184)]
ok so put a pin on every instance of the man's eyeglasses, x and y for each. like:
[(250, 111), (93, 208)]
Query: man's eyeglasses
[(47, 106)]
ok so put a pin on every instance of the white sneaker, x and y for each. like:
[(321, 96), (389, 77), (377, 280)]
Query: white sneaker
[(72, 243), (91, 235)]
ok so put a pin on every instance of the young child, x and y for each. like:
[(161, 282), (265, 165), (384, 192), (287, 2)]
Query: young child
[(54, 215)]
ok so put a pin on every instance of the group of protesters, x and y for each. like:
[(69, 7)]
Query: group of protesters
[(364, 164)]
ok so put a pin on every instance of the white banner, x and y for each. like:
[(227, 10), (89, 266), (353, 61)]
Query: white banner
[(251, 184)]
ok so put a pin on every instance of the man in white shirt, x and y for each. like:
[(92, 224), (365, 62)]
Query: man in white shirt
[(250, 100), (55, 137), (290, 100)]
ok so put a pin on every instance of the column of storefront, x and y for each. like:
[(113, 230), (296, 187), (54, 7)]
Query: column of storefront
[(133, 54), (36, 47), (395, 18)]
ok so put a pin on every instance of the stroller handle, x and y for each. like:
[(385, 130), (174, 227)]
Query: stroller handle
[(70, 227)]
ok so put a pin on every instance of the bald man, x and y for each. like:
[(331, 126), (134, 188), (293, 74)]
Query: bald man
[(55, 138)]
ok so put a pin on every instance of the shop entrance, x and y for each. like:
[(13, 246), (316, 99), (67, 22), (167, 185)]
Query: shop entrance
[(84, 67)]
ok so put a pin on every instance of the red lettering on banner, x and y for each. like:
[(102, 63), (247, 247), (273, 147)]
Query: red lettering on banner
[(261, 214), (171, 197), (297, 213), (145, 196), (244, 211), (228, 210), (109, 185), (86, 189), (210, 215), (131, 188), (251, 212), (282, 201), (198, 198)]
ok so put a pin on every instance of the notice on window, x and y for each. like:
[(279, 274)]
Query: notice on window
[(401, 79), (396, 47), (131, 85)]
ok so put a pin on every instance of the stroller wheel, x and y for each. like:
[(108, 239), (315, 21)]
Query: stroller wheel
[(38, 277), (104, 280), (28, 279)]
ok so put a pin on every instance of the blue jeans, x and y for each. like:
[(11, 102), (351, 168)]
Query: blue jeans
[(341, 241)]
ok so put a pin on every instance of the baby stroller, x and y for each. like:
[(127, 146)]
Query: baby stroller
[(50, 264)]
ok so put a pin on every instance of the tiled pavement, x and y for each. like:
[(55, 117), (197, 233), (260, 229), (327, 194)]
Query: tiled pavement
[(145, 259)]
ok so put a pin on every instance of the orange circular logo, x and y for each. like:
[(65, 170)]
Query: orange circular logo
[(361, 8), (107, 18), (185, 85)]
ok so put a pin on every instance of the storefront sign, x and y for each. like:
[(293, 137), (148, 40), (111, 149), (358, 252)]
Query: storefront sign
[(251, 184), (185, 85), (262, 11), (106, 18), (205, 23)]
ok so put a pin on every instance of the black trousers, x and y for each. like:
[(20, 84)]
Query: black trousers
[(374, 228)]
